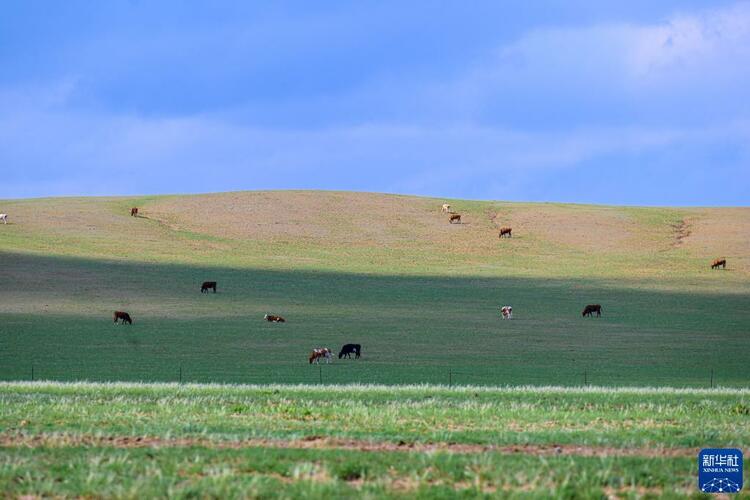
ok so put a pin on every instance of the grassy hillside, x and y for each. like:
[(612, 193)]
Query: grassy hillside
[(388, 272), (336, 442), (387, 234)]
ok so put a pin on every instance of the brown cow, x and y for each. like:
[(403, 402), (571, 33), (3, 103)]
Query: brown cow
[(590, 309), (134, 212), (505, 231), (719, 263), (455, 217), (273, 319), (125, 317), (208, 285)]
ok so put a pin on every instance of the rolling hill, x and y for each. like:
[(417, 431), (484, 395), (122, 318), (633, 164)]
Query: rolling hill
[(386, 271)]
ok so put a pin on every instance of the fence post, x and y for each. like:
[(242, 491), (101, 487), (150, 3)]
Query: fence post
[(450, 377), (585, 378), (320, 374), (32, 372), (180, 373), (712, 378)]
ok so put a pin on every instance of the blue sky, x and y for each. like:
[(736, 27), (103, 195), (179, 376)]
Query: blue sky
[(633, 102)]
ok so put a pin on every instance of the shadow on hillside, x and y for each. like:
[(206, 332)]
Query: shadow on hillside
[(412, 328)]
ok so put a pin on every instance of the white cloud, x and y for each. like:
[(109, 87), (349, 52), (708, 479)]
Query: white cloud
[(691, 65), (458, 141)]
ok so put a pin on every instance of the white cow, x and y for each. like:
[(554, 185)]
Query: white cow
[(4, 218), (507, 312), (446, 208)]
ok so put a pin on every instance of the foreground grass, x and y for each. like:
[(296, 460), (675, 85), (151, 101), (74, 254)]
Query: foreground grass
[(131, 440)]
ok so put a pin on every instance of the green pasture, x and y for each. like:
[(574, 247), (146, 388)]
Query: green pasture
[(388, 272), (58, 319), (292, 474), (643, 440)]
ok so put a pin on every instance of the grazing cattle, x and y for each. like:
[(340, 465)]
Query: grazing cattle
[(4, 218), (134, 212), (208, 285), (719, 263), (507, 312), (125, 317), (446, 208), (350, 349), (320, 353), (505, 231), (456, 218), (590, 309), (273, 319)]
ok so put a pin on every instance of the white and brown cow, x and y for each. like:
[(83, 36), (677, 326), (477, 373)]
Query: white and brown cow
[(507, 312), (446, 208), (320, 353), (4, 218)]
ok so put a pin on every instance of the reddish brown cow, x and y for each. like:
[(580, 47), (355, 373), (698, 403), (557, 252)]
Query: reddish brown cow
[(719, 263), (134, 212), (505, 231), (125, 317), (274, 319), (455, 218), (590, 309)]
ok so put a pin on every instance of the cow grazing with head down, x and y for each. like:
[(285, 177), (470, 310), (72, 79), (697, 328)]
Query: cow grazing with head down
[(273, 318), (455, 218), (507, 312), (320, 353), (208, 285), (717, 263), (350, 349), (4, 218), (445, 208), (590, 309), (122, 315), (505, 231), (134, 212)]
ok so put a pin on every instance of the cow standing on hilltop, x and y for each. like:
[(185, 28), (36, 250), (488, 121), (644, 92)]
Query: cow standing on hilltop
[(4, 218), (719, 263), (273, 318), (134, 212), (455, 218), (505, 231), (208, 285)]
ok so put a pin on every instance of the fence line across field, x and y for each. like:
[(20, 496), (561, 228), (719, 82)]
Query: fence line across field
[(451, 375)]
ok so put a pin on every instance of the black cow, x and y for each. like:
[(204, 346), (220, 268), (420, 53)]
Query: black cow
[(590, 309), (350, 349), (208, 285)]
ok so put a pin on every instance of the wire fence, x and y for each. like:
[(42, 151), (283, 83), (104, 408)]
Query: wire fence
[(329, 374)]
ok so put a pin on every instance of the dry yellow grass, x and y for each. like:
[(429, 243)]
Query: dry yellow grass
[(368, 232)]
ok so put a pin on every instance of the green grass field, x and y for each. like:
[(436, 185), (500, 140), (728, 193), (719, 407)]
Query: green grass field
[(337, 441), (422, 297), (388, 272)]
